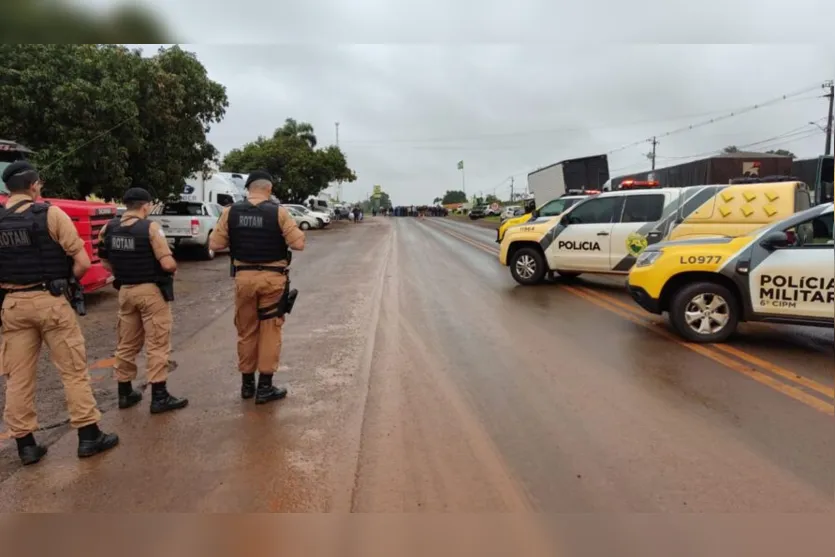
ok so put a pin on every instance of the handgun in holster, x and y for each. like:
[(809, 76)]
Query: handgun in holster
[(166, 286), (284, 306), (71, 290)]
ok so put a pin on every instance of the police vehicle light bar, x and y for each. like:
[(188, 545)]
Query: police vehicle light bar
[(636, 184), (582, 192)]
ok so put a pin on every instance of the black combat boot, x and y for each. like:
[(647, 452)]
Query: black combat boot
[(247, 385), (92, 441), (29, 451), (266, 392), (128, 396), (162, 401)]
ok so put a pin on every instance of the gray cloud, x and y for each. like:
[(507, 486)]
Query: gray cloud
[(408, 113)]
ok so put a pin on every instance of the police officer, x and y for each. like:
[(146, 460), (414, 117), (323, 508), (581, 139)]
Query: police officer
[(40, 252), (259, 233), (136, 251)]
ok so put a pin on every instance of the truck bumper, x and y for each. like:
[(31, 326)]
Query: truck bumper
[(643, 299), (96, 278)]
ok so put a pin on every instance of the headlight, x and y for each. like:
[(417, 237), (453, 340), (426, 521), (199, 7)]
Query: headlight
[(647, 258)]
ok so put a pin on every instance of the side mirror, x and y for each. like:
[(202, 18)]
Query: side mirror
[(775, 240)]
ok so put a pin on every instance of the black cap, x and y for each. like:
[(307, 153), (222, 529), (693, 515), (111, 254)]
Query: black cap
[(258, 175), (17, 168), (137, 194)]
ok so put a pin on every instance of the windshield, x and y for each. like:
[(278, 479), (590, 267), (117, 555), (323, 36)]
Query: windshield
[(181, 209)]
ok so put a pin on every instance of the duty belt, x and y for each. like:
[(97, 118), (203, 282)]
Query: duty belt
[(36, 288), (274, 269)]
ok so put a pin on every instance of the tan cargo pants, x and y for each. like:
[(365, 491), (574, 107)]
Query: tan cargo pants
[(259, 342), (144, 318), (30, 318)]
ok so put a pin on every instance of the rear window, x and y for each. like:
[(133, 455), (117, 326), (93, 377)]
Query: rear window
[(183, 209)]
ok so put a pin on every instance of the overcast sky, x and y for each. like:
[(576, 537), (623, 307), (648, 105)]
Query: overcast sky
[(409, 113)]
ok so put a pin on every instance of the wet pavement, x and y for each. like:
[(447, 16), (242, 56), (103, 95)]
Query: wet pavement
[(422, 378)]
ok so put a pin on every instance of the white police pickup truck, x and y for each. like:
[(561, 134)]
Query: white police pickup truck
[(188, 224)]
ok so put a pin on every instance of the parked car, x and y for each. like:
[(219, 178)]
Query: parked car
[(511, 211), (188, 223), (323, 218), (478, 212), (305, 221)]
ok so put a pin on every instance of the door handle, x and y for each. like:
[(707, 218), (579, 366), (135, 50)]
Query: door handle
[(602, 233)]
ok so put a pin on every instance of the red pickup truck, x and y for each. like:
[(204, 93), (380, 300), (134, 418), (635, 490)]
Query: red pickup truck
[(89, 217)]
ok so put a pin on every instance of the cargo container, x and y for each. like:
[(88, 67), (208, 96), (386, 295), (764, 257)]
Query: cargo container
[(552, 181), (720, 169)]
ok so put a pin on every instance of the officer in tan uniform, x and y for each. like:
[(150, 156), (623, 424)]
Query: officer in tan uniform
[(259, 234), (136, 251), (40, 252)]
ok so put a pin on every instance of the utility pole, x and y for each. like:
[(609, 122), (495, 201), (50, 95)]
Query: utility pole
[(829, 117), (339, 182), (652, 155), (511, 189)]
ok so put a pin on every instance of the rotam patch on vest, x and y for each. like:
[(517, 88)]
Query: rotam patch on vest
[(123, 243), (19, 238), (251, 221)]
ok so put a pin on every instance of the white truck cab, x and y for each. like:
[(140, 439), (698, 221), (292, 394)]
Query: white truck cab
[(216, 188)]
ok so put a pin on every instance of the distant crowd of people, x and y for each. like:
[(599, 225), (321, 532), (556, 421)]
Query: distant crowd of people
[(416, 211)]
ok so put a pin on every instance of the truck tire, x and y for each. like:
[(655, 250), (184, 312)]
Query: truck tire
[(321, 223), (527, 266), (304, 225), (704, 312)]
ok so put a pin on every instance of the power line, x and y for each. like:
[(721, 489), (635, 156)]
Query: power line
[(731, 114), (735, 111)]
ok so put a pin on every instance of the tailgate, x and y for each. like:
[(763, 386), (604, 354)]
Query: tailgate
[(174, 227)]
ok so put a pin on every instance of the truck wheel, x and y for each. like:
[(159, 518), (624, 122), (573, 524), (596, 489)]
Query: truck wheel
[(704, 312), (321, 223), (305, 225), (527, 266)]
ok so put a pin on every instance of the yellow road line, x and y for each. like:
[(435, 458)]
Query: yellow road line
[(767, 380), (637, 316), (741, 354)]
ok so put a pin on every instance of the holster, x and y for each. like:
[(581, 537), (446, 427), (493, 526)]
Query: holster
[(166, 286), (284, 306)]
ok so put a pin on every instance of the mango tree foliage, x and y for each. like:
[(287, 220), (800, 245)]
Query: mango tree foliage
[(298, 168), (101, 118)]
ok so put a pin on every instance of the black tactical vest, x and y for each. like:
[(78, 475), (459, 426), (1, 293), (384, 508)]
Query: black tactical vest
[(28, 254), (254, 234), (128, 249)]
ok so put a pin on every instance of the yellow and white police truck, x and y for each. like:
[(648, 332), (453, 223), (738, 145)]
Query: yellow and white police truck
[(782, 273), (605, 233)]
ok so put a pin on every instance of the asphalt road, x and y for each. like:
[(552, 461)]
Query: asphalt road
[(422, 378)]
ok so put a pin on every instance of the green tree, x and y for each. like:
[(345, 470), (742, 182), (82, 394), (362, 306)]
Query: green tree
[(731, 149), (384, 202), (102, 118), (454, 196), (299, 169), (436, 201), (491, 198), (54, 21), (299, 130), (782, 152)]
